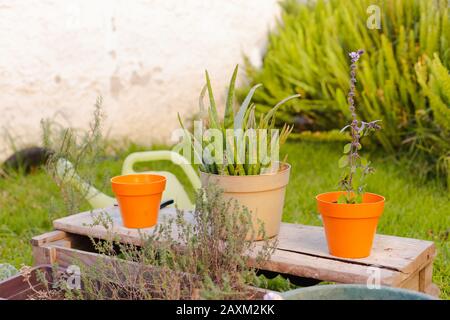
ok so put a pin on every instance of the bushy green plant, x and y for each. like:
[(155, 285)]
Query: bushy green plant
[(236, 150), (6, 271), (432, 136), (85, 150), (307, 55)]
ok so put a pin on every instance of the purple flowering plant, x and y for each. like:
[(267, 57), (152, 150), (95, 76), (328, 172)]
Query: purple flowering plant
[(355, 168)]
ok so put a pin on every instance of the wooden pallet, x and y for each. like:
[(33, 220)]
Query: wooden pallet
[(301, 252)]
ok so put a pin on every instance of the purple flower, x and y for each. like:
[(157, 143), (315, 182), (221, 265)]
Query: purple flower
[(355, 57)]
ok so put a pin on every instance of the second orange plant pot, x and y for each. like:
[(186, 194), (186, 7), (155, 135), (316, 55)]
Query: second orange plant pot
[(139, 197), (350, 228)]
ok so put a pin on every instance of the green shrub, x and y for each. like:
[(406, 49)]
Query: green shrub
[(307, 54), (432, 138)]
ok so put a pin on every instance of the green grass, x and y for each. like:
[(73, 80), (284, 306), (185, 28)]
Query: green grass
[(414, 208)]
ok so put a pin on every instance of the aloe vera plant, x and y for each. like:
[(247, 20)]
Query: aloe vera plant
[(240, 143)]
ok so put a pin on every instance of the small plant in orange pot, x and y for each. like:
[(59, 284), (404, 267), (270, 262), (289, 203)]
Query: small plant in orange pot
[(350, 216), (139, 197)]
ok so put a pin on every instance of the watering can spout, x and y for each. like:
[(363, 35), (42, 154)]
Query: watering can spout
[(67, 175), (64, 169)]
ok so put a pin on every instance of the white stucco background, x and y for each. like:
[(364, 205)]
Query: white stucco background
[(146, 58)]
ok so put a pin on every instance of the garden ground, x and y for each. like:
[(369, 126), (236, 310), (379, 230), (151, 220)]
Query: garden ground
[(414, 208)]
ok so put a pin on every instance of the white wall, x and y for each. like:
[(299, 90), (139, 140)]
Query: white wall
[(146, 58)]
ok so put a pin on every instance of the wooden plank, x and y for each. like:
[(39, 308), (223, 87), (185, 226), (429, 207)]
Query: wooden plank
[(412, 283), (68, 256), (425, 277), (281, 262), (426, 281), (301, 250), (82, 224), (48, 237), (328, 270), (401, 254), (61, 243), (41, 255)]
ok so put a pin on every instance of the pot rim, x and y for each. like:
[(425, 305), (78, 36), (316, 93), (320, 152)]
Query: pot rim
[(285, 167), (114, 179), (382, 199), (314, 289)]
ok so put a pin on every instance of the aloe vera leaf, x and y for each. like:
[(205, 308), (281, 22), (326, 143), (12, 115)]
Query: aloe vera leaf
[(252, 150), (215, 150), (223, 170), (231, 170), (229, 152), (213, 116), (246, 169), (239, 119), (261, 121), (190, 139), (228, 119), (235, 155), (240, 169), (250, 121), (214, 169), (285, 132), (272, 121), (201, 104), (271, 113)]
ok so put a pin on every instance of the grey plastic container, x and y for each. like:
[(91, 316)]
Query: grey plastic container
[(353, 292)]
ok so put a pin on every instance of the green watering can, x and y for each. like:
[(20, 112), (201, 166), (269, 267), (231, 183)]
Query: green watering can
[(174, 189)]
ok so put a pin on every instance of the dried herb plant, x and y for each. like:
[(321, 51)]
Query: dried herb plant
[(203, 254), (44, 288), (84, 150)]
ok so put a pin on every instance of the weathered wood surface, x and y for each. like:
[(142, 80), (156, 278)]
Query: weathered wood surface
[(301, 251)]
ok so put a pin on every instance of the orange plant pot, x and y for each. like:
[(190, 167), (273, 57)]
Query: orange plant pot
[(350, 228), (139, 197)]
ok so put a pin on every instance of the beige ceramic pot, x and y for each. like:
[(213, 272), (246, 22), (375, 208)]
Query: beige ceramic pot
[(262, 194)]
